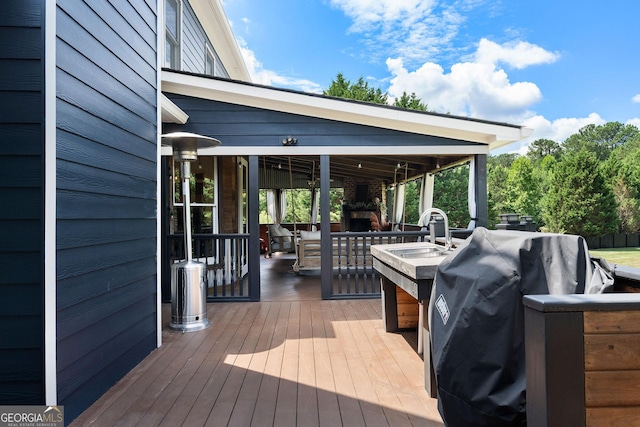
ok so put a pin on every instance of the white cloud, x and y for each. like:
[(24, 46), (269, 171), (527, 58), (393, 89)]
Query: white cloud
[(368, 13), (415, 30), (560, 129), (634, 121), (518, 54), (478, 88), (557, 130), (636, 98), (266, 77)]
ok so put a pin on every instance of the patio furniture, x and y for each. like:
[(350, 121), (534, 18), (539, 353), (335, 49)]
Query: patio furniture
[(279, 239), (346, 252), (310, 251)]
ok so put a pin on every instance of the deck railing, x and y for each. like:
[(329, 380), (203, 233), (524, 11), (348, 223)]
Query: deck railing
[(227, 268), (226, 260), (353, 275)]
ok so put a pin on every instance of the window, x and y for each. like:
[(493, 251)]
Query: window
[(172, 43), (203, 196), (209, 61)]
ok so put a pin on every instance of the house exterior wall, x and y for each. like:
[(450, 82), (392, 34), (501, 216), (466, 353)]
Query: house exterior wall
[(21, 192), (106, 108), (194, 44)]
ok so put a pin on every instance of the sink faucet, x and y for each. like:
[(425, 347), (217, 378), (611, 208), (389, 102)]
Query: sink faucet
[(426, 216)]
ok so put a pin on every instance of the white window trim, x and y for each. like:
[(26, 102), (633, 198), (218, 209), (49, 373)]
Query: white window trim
[(208, 53), (179, 35), (213, 205)]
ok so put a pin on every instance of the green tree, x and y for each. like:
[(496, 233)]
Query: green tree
[(601, 140), (450, 191), (497, 175), (542, 173), (410, 102), (540, 148), (628, 206), (360, 90), (523, 189), (503, 160), (412, 201), (578, 200), (622, 172)]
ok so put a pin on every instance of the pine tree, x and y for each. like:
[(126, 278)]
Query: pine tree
[(578, 200)]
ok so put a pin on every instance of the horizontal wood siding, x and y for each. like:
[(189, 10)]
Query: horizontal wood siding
[(612, 367), (22, 195), (238, 125), (106, 194), (194, 42)]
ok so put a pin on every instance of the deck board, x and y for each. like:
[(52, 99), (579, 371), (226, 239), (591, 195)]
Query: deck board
[(288, 361)]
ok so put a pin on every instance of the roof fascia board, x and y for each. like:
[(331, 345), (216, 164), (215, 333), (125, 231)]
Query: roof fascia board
[(215, 23), (171, 113), (492, 134), (395, 150)]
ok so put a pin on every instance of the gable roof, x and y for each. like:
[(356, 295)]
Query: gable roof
[(215, 23)]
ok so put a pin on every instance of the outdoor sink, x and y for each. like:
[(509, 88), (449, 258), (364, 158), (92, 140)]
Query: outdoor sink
[(419, 252), (415, 261)]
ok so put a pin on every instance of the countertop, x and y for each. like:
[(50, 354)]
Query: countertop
[(414, 275), (418, 268)]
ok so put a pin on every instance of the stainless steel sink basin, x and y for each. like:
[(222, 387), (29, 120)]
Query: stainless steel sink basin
[(419, 252)]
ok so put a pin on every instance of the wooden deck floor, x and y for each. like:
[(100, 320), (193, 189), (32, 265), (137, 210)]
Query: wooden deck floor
[(289, 360)]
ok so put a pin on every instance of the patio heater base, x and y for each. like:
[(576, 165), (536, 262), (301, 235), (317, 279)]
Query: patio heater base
[(189, 297)]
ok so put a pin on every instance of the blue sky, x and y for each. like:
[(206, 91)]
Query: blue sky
[(554, 66)]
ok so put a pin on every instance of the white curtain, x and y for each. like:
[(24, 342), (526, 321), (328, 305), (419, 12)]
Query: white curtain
[(283, 206), (426, 192), (315, 198), (398, 206), (272, 210), (473, 212), (276, 206)]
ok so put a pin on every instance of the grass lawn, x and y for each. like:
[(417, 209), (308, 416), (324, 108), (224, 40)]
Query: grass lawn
[(623, 256)]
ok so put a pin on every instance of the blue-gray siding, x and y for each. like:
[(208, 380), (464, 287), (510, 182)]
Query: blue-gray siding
[(194, 40), (238, 125), (106, 194), (21, 192)]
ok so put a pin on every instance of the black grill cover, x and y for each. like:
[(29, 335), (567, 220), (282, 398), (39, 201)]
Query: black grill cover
[(477, 318)]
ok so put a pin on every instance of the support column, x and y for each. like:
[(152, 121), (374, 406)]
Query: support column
[(482, 205), (253, 222), (326, 261)]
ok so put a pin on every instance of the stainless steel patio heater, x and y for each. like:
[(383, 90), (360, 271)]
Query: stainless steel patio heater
[(188, 277)]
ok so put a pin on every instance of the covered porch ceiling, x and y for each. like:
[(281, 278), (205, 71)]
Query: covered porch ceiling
[(365, 167)]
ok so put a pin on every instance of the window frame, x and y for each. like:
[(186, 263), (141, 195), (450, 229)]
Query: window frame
[(176, 196), (176, 42), (209, 56)]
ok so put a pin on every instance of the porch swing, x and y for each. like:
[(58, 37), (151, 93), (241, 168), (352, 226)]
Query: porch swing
[(308, 246), (279, 238)]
